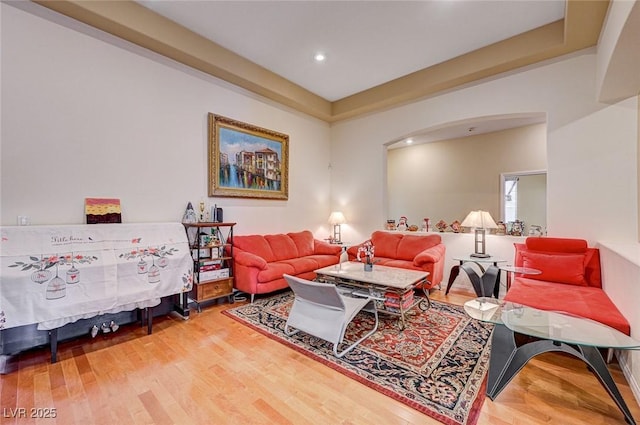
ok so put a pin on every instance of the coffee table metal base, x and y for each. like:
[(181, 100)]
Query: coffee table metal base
[(507, 359)]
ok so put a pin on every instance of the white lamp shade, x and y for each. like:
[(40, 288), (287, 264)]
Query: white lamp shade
[(479, 220), (337, 217)]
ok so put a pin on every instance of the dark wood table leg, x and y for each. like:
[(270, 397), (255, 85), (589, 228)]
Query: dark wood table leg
[(53, 341)]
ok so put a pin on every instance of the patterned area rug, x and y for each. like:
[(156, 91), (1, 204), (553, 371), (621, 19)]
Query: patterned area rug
[(437, 364)]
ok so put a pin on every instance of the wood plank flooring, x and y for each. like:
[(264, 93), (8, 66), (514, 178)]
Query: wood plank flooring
[(212, 370)]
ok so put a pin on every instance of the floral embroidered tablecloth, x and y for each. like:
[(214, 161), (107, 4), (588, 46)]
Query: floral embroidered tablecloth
[(53, 275)]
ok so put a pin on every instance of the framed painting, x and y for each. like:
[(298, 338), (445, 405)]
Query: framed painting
[(247, 161)]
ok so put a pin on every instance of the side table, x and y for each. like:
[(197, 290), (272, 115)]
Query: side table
[(512, 270), (455, 270)]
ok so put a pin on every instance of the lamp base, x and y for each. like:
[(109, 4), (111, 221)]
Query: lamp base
[(478, 255)]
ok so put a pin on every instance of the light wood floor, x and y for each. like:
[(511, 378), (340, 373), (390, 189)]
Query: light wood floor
[(212, 370)]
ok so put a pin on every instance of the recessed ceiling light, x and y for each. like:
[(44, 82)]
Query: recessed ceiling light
[(319, 57), (409, 141)]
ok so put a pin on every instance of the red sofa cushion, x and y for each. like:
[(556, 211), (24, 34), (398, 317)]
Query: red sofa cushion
[(385, 244), (282, 246), (255, 244), (592, 257), (584, 301), (556, 267), (411, 245), (575, 246), (304, 242)]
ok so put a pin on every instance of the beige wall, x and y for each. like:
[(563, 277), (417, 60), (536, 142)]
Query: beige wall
[(448, 179), (532, 200)]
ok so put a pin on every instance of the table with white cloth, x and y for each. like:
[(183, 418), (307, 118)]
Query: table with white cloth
[(54, 275)]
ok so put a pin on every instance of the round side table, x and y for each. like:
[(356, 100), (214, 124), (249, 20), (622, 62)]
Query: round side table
[(512, 270)]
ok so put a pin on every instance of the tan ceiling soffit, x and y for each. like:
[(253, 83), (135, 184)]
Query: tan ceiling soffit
[(132, 22), (139, 25), (580, 29)]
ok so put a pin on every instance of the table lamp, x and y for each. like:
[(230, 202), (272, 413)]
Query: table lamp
[(480, 220), (336, 218)]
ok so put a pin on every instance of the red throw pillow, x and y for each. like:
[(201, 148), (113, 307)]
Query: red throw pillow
[(560, 268)]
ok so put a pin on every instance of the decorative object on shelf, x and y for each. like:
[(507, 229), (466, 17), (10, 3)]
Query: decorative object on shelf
[(189, 215), (516, 228), (441, 226), (247, 161), (535, 230), (402, 223), (480, 221), (102, 210), (455, 226), (216, 214), (412, 228), (425, 224), (391, 225), (336, 219), (367, 249), (203, 216), (501, 230)]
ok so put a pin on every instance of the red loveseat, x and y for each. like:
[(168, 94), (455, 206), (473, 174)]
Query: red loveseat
[(261, 260), (414, 252), (570, 281)]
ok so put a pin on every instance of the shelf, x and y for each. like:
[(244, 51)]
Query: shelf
[(211, 289)]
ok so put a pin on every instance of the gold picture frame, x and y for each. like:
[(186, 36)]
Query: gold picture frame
[(247, 161)]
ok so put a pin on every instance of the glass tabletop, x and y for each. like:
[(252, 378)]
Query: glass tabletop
[(520, 270), (469, 258), (552, 325)]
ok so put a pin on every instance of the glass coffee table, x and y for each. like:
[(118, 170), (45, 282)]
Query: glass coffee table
[(391, 287), (554, 331)]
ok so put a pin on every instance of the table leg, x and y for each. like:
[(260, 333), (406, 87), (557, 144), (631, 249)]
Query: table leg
[(496, 286), (507, 359), (455, 270)]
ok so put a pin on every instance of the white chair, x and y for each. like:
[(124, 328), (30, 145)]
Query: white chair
[(320, 310)]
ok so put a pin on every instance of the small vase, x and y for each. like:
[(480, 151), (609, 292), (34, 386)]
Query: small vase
[(368, 267)]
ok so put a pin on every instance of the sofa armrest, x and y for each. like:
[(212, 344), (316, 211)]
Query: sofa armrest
[(430, 255), (247, 259), (325, 248)]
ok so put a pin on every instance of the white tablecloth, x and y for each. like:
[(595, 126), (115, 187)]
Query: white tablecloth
[(53, 275)]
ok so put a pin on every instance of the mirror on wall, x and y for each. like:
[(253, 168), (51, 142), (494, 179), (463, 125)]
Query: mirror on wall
[(523, 197), (447, 178)]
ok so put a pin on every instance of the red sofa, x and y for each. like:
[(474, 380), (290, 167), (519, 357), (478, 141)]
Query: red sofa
[(413, 252), (570, 281), (261, 260)]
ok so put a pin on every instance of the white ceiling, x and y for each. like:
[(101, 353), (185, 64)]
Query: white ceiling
[(367, 43)]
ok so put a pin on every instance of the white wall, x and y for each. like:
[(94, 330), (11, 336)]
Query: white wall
[(591, 148), (87, 115), (449, 178)]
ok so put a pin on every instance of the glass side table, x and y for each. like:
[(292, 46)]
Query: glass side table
[(512, 270), (552, 331)]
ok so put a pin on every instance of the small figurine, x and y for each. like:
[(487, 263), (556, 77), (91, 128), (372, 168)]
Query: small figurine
[(189, 215), (402, 223)]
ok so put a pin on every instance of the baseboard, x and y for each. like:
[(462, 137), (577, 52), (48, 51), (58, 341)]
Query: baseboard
[(626, 371)]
